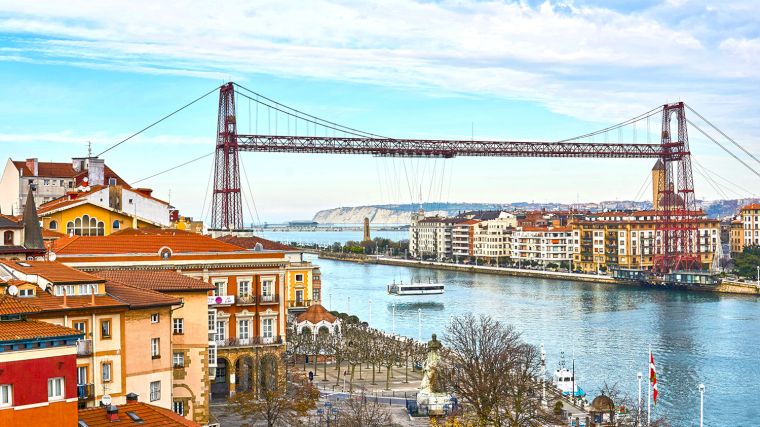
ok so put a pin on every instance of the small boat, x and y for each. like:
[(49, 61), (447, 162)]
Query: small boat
[(564, 380), (418, 288)]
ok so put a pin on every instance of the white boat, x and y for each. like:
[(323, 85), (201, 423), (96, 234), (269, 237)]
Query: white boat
[(564, 380), (418, 288)]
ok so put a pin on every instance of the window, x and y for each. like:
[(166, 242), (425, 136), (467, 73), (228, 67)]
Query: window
[(299, 277), (26, 292), (55, 388), (105, 329), (179, 407), (212, 321), (244, 288), (111, 181), (155, 350), (154, 318), (220, 331), (243, 329), (80, 325), (155, 391), (81, 375), (178, 326), (266, 287), (46, 182), (116, 224), (6, 395), (105, 371), (220, 289), (53, 225), (266, 328), (178, 359), (8, 238), (86, 226)]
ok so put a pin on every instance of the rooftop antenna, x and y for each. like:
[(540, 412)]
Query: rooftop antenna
[(89, 149)]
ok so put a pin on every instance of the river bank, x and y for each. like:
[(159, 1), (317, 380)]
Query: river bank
[(726, 286)]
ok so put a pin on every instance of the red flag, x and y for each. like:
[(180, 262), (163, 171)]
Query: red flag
[(653, 377)]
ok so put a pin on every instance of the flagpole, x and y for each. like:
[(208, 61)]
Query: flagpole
[(649, 387)]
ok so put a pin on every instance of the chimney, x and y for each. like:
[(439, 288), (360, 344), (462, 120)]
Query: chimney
[(144, 191), (112, 413), (64, 298), (33, 165), (131, 399), (95, 171)]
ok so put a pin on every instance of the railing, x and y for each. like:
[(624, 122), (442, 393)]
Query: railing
[(84, 348), (269, 299), (85, 391), (302, 303), (246, 299), (246, 342)]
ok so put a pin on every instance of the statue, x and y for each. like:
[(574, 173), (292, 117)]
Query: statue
[(431, 398)]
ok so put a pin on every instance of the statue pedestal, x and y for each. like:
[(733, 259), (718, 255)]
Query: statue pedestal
[(432, 403)]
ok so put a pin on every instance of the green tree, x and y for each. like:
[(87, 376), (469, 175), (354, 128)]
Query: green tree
[(746, 262)]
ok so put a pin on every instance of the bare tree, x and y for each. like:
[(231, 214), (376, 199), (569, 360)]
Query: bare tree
[(278, 404), (359, 411)]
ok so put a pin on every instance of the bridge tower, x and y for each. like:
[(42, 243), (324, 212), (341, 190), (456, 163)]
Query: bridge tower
[(226, 204)]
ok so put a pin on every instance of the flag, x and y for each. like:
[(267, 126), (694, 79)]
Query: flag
[(653, 377)]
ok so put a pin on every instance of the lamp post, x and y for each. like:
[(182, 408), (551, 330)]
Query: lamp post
[(394, 318), (348, 306), (419, 324), (370, 313), (638, 418), (758, 274), (329, 301), (543, 376), (701, 404)]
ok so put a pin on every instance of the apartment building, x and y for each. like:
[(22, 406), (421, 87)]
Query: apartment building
[(189, 335), (750, 217), (493, 236), (542, 245), (37, 367), (632, 240), (431, 237), (246, 311), (463, 239)]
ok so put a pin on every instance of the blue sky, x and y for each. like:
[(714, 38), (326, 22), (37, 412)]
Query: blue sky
[(87, 71)]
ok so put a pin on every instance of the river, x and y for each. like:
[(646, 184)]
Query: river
[(695, 337)]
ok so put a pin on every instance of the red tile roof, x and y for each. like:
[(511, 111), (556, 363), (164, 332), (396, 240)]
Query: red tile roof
[(143, 241), (250, 243), (152, 416), (137, 297), (47, 169), (55, 272), (48, 302), (157, 280), (315, 314), (33, 329), (15, 305), (752, 206), (7, 221)]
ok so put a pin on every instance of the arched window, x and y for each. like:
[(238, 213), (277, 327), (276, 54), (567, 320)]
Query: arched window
[(86, 226), (8, 238), (53, 225), (116, 224)]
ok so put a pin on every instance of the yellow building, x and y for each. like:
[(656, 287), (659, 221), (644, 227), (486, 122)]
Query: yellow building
[(736, 236), (84, 218), (186, 223)]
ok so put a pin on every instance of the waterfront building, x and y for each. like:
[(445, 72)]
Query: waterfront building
[(541, 245), (631, 240), (303, 280), (736, 236), (189, 335), (431, 237), (37, 367), (72, 298), (22, 237), (50, 180), (246, 310), (463, 239), (750, 217), (493, 236), (100, 210), (131, 414)]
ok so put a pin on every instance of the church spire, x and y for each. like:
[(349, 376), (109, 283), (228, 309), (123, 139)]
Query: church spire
[(32, 230)]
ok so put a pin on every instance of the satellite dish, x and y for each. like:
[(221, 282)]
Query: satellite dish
[(85, 179), (105, 400), (52, 256), (12, 290), (259, 247)]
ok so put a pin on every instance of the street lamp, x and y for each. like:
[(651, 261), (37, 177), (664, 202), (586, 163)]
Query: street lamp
[(348, 306), (419, 324), (701, 404), (758, 274), (394, 318), (638, 419), (543, 376), (370, 313)]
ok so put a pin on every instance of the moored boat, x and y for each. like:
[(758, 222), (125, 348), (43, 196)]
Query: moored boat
[(417, 288)]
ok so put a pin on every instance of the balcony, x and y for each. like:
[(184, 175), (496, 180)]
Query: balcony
[(299, 304), (84, 348), (269, 299), (248, 342), (221, 300), (246, 300), (85, 391)]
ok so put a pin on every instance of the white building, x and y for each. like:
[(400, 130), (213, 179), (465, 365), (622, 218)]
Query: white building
[(431, 237), (543, 245)]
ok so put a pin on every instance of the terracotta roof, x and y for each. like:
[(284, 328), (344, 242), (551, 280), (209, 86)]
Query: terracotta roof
[(157, 280), (47, 169), (33, 329), (10, 222), (250, 243), (151, 416), (53, 271), (752, 206), (15, 305), (137, 297), (315, 314), (143, 241), (51, 235), (48, 302)]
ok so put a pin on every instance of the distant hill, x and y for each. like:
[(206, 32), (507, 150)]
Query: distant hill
[(401, 213)]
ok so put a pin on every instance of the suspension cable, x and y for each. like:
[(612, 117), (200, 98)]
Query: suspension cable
[(723, 147), (173, 167), (642, 116), (723, 133), (158, 121)]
